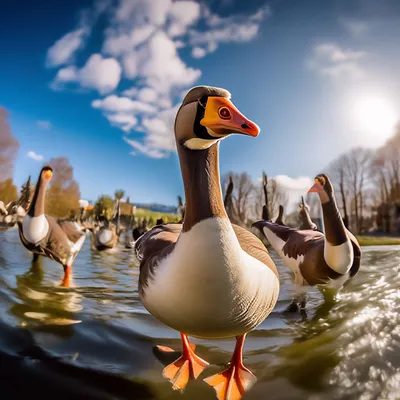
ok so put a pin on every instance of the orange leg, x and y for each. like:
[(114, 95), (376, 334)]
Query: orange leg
[(67, 276), (187, 366), (232, 383)]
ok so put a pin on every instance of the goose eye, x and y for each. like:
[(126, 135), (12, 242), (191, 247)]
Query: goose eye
[(224, 113)]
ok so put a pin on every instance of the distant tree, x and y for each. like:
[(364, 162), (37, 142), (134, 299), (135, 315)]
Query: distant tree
[(8, 191), (8, 147), (337, 171), (63, 194), (181, 207), (25, 197), (268, 193), (104, 207), (240, 198)]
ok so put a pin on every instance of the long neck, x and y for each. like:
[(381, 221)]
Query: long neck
[(200, 173), (37, 206), (306, 222), (335, 231)]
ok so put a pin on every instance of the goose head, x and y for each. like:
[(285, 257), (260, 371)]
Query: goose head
[(323, 186), (46, 174), (206, 116)]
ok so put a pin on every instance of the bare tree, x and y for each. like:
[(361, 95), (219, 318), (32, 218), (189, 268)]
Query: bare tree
[(337, 170), (239, 197), (272, 196)]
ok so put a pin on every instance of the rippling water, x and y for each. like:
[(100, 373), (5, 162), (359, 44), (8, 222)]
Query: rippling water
[(95, 340)]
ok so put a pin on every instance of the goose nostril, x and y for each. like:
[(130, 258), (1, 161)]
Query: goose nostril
[(245, 126)]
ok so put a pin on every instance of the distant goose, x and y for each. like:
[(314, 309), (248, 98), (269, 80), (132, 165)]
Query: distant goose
[(314, 258), (304, 216), (104, 237), (279, 220), (208, 277), (3, 210), (44, 235)]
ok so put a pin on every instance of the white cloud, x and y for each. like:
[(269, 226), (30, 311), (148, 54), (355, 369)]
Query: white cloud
[(117, 104), (293, 188), (142, 39), (331, 60), (355, 27), (44, 124), (64, 49), (148, 95), (142, 148), (160, 65), (123, 121), (301, 183), (34, 156), (182, 15), (238, 28), (119, 44), (152, 12), (132, 92), (101, 74), (198, 52), (67, 74)]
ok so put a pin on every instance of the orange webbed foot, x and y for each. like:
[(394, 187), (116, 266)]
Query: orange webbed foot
[(232, 383), (236, 380), (187, 366)]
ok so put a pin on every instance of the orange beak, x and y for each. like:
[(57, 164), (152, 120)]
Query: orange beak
[(48, 175), (223, 118), (317, 187)]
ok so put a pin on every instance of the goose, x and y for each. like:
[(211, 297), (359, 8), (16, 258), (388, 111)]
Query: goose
[(316, 259), (206, 278), (44, 235), (104, 237), (279, 220), (3, 210), (304, 217)]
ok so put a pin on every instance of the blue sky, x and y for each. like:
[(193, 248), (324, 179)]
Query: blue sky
[(98, 81)]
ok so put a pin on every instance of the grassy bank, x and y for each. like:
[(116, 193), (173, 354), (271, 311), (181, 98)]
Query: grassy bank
[(378, 240), (154, 215)]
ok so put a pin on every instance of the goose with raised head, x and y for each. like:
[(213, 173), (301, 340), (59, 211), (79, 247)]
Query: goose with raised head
[(207, 278), (279, 219), (44, 235), (317, 259), (305, 218)]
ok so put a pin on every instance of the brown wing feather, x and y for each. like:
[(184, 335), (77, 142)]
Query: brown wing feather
[(154, 246), (254, 247), (71, 230)]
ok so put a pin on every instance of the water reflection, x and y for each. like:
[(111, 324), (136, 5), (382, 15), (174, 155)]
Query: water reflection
[(98, 335)]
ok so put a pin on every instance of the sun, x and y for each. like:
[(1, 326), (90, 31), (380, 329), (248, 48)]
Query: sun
[(375, 117)]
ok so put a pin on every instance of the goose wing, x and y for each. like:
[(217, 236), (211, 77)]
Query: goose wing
[(152, 247), (254, 247)]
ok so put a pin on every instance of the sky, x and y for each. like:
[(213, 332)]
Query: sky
[(100, 81)]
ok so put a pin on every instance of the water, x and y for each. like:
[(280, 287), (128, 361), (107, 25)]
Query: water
[(95, 340)]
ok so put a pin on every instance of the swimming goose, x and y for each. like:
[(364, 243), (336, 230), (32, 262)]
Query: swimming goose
[(44, 235), (104, 237), (207, 278), (304, 217), (317, 259)]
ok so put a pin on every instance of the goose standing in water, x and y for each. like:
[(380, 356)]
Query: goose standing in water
[(207, 278), (317, 259), (45, 235)]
